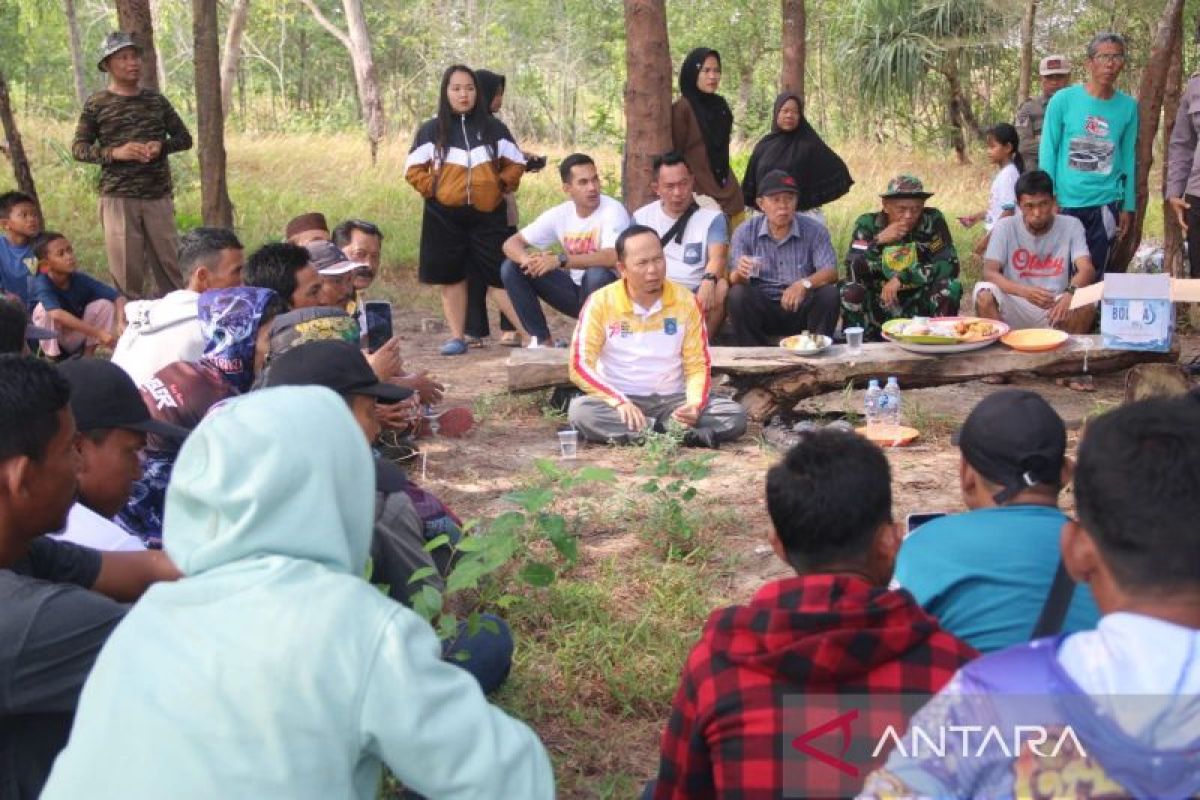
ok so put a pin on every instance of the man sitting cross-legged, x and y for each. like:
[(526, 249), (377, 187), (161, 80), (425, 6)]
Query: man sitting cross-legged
[(1034, 263), (641, 353), (987, 573), (695, 240), (273, 669), (1126, 693), (585, 227), (833, 628), (784, 276), (161, 332), (52, 627)]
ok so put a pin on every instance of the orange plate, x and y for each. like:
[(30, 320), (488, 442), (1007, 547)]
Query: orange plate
[(1035, 340), (890, 435)]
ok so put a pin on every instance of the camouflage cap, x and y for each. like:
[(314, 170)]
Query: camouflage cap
[(114, 42), (906, 186)]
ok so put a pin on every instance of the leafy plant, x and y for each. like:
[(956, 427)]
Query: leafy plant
[(671, 489), (509, 544)]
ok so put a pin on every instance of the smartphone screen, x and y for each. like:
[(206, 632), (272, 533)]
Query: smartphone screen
[(920, 518), (379, 324)]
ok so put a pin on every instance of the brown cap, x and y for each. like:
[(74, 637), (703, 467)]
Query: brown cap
[(313, 221)]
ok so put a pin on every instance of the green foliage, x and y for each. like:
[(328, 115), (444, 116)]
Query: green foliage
[(487, 556), (667, 503)]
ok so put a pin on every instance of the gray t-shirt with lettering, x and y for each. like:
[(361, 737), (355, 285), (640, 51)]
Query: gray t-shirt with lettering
[(1044, 261)]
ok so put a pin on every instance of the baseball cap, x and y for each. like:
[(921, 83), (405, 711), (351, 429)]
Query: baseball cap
[(906, 186), (329, 258), (1016, 439), (336, 365), (104, 396), (777, 182), (114, 42), (1054, 65)]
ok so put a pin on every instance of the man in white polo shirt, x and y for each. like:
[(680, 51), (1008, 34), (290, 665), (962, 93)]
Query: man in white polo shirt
[(640, 354), (585, 228), (695, 240)]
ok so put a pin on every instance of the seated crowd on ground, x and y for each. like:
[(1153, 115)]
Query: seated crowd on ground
[(185, 528)]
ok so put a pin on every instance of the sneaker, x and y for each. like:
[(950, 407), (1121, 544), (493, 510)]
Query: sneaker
[(473, 341), (454, 347), (510, 339), (451, 423)]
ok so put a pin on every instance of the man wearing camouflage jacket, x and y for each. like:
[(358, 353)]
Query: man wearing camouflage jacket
[(901, 263), (129, 131)]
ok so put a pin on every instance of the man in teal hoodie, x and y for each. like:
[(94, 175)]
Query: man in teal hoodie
[(273, 669)]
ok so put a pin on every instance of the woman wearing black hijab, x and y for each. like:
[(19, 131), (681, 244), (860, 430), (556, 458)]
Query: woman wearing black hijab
[(701, 124), (794, 147)]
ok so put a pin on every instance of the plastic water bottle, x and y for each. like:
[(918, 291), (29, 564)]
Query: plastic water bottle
[(889, 403), (871, 403)]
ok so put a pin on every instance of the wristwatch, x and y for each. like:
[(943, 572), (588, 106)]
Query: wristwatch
[(1070, 289), (562, 260), (708, 276), (806, 283)]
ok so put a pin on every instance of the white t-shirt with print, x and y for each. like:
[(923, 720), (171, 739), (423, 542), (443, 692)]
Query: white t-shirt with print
[(578, 236)]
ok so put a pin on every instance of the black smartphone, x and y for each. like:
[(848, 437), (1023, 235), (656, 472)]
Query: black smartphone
[(379, 323), (921, 517)]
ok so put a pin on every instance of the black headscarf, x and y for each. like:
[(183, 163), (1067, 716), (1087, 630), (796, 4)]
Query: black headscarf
[(819, 172), (490, 85), (711, 110)]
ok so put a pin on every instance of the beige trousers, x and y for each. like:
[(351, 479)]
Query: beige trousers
[(140, 238)]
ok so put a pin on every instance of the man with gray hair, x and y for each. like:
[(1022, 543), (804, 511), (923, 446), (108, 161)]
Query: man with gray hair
[(161, 332), (1088, 141)]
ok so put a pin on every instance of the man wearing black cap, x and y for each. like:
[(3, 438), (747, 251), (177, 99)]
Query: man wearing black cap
[(60, 601), (986, 574), (784, 271), (112, 421), (398, 547)]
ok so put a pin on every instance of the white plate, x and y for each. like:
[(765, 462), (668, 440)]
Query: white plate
[(936, 349), (825, 340)]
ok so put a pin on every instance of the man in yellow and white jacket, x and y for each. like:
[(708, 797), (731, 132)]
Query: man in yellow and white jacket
[(640, 353)]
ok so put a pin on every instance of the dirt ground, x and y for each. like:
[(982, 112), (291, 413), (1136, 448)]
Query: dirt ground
[(473, 473)]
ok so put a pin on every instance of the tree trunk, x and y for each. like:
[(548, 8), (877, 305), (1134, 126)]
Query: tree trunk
[(77, 62), (160, 65), (647, 96), (954, 106), (366, 79), (1173, 263), (133, 17), (16, 150), (1026, 77), (215, 207), (233, 51), (1150, 101), (791, 72)]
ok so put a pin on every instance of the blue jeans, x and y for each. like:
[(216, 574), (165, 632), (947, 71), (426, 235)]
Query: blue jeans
[(556, 288), (1096, 220), (488, 656)]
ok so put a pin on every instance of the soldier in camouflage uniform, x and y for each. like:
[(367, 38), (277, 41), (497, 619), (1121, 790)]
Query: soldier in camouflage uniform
[(129, 131), (1055, 72), (901, 263)]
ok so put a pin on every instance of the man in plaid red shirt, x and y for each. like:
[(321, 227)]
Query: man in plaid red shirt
[(834, 629)]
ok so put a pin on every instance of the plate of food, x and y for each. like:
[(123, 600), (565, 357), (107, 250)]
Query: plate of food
[(1035, 340), (806, 344), (943, 334)]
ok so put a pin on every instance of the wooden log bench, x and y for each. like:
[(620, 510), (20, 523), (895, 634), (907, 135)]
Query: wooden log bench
[(767, 379)]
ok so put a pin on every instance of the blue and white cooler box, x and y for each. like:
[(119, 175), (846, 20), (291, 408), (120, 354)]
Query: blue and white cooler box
[(1137, 311)]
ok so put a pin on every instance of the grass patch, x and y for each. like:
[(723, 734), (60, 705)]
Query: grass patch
[(932, 424)]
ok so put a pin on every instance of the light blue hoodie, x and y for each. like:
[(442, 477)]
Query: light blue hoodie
[(273, 669)]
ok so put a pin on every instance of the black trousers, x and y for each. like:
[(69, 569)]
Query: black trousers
[(755, 318), (1193, 235)]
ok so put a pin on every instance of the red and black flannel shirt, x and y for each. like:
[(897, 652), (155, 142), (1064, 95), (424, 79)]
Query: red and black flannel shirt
[(816, 634)]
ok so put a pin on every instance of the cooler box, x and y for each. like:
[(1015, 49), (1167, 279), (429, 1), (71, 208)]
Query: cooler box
[(1137, 311)]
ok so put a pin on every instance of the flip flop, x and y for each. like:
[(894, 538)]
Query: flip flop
[(454, 347), (1078, 383), (510, 339), (996, 380)]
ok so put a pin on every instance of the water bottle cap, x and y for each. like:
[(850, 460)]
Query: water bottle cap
[(892, 380), (874, 384)]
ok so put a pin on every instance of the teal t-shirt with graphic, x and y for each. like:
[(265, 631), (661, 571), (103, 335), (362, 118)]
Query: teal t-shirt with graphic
[(985, 574), (1088, 148)]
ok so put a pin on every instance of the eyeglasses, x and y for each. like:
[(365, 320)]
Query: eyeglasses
[(1109, 58)]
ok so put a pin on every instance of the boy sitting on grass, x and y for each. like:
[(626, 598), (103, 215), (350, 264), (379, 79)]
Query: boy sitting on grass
[(20, 221), (82, 311)]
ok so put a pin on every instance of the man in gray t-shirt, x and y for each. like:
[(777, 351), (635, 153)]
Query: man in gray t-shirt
[(1034, 263)]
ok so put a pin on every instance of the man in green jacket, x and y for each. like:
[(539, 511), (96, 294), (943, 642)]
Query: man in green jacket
[(901, 262)]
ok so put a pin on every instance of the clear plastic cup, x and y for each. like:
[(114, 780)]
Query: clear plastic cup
[(568, 443), (756, 265), (854, 340)]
